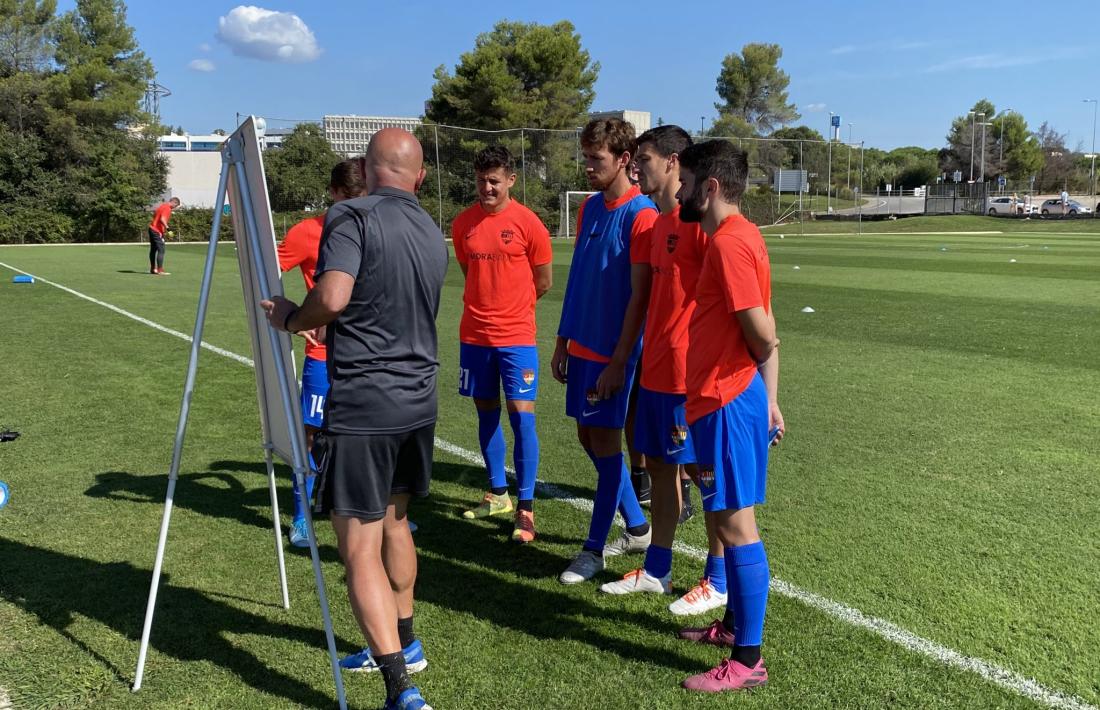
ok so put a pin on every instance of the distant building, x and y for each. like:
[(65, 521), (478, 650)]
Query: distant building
[(349, 134), (639, 119), (188, 143)]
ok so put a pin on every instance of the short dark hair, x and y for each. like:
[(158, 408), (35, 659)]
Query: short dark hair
[(615, 134), (347, 177), (666, 140), (176, 200), (721, 160), (493, 157)]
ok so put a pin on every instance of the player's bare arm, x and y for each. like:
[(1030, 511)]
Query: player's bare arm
[(322, 305), (544, 279)]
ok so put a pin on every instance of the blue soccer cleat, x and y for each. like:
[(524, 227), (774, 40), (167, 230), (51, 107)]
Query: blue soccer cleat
[(299, 533), (410, 699), (363, 662)]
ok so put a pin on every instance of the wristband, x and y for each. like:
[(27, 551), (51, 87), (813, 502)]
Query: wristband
[(286, 321)]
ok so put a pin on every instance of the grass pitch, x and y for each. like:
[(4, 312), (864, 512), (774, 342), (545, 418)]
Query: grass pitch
[(939, 474)]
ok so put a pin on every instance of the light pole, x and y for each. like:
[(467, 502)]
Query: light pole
[(829, 171), (973, 115), (1092, 171), (701, 119), (984, 124), (849, 159), (1004, 112)]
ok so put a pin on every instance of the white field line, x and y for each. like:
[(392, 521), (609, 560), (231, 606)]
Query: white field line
[(5, 701), (1009, 680)]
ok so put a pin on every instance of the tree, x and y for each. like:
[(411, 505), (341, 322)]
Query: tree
[(517, 75), (1057, 172), (298, 171), (729, 126), (753, 87), (72, 155)]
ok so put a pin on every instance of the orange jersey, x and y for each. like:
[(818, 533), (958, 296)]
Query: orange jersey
[(499, 253), (299, 248), (639, 253), (676, 258), (736, 276), (160, 218)]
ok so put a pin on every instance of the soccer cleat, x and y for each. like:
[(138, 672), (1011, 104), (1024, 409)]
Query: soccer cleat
[(627, 543), (714, 635), (525, 527), (410, 699), (638, 581), (700, 599), (728, 675), (686, 512), (162, 272), (299, 533), (363, 662), (583, 567), (490, 505)]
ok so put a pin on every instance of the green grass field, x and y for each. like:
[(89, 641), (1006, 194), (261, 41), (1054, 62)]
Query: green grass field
[(939, 476)]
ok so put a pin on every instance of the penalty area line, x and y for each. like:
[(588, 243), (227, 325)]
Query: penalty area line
[(1007, 679)]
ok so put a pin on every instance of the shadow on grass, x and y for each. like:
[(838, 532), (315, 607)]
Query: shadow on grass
[(190, 626)]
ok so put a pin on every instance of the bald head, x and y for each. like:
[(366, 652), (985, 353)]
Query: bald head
[(394, 159)]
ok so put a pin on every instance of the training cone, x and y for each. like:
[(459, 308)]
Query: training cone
[(22, 279), (807, 309), (4, 494), (798, 268), (1012, 261)]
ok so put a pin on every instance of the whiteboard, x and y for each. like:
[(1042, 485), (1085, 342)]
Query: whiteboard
[(260, 277)]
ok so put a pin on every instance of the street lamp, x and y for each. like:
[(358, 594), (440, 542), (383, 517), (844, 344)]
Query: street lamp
[(829, 170), (701, 119), (1092, 171), (849, 159), (1004, 112), (983, 125), (973, 115)]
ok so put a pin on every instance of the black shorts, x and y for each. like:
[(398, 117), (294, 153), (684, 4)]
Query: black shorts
[(359, 472)]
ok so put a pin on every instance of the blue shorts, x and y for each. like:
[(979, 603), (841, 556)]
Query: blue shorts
[(580, 394), (482, 370), (660, 429), (314, 391), (731, 448)]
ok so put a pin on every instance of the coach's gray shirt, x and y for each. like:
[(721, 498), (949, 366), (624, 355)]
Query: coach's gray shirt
[(382, 361)]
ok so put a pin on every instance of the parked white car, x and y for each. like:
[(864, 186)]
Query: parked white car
[(1003, 206), (1073, 207)]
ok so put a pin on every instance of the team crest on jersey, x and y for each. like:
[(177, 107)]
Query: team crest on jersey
[(679, 435), (706, 477), (528, 377), (670, 242), (593, 398), (507, 235)]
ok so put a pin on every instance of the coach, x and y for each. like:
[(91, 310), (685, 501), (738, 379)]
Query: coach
[(379, 276)]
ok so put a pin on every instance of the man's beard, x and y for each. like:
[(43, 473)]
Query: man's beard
[(691, 209)]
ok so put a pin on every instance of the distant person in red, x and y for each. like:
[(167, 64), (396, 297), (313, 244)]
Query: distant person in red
[(157, 229), (299, 249)]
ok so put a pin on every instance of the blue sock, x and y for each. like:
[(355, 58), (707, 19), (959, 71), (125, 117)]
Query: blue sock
[(658, 561), (299, 513), (526, 454), (491, 438), (609, 478), (715, 572), (629, 507), (748, 576)]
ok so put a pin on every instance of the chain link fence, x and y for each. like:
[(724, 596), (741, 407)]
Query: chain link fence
[(790, 181)]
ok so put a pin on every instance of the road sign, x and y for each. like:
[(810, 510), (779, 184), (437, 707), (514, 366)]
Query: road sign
[(225, 209), (1002, 180), (958, 175), (835, 121)]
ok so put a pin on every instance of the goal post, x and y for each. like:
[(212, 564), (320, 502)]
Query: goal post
[(570, 205)]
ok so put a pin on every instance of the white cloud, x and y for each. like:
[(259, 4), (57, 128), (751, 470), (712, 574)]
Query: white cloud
[(998, 60), (814, 108), (204, 65), (844, 49), (204, 47), (268, 35), (897, 45)]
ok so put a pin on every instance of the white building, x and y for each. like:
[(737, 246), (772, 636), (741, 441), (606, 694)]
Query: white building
[(641, 120), (349, 134), (188, 143)]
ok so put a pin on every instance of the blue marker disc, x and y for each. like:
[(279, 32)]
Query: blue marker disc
[(3, 494)]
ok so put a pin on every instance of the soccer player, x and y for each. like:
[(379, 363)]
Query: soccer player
[(505, 254), (299, 248), (380, 273), (598, 337), (732, 380), (661, 432), (157, 229)]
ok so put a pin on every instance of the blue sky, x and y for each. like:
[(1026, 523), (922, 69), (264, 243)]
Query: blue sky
[(898, 71)]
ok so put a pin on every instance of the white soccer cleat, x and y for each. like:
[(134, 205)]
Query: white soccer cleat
[(584, 567), (627, 543), (699, 600), (639, 581)]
